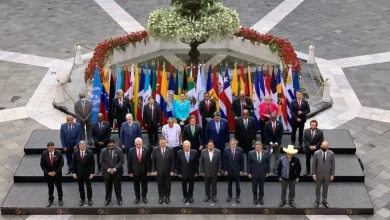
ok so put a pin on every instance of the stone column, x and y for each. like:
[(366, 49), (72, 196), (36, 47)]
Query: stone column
[(326, 94), (310, 59)]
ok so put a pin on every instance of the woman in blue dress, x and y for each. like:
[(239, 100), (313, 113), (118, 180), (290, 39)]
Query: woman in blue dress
[(181, 110)]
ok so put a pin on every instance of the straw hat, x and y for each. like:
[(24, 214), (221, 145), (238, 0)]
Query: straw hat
[(290, 150)]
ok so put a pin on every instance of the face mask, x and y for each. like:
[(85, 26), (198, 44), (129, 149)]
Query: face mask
[(324, 149)]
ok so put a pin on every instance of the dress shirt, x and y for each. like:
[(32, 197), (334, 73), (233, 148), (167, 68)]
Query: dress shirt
[(273, 126), (211, 153), (172, 134), (112, 153)]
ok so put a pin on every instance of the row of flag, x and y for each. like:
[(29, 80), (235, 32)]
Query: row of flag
[(139, 84)]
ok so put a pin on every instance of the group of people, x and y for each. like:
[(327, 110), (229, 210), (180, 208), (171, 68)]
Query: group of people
[(181, 150)]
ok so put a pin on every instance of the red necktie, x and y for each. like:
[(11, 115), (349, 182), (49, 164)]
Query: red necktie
[(51, 159), (299, 104), (82, 157), (139, 155), (208, 105), (273, 127)]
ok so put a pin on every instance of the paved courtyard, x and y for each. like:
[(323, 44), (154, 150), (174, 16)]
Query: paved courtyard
[(38, 36)]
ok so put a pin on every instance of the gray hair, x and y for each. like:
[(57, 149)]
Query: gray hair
[(129, 115), (258, 143), (138, 139), (82, 142), (267, 97), (187, 142), (119, 91), (217, 114), (233, 140)]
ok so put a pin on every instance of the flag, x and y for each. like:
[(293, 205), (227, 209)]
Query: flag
[(296, 80), (290, 95), (154, 81), (111, 96), (267, 82), (170, 94), (158, 84), (257, 96), (235, 81), (281, 99), (131, 91), (164, 96), (96, 95), (104, 103), (151, 77), (184, 87), (242, 80), (126, 87), (118, 79), (250, 86), (106, 78), (216, 88), (220, 91), (192, 98), (261, 84), (147, 88), (200, 88), (177, 84), (273, 91), (209, 86), (136, 91), (140, 101), (225, 98)]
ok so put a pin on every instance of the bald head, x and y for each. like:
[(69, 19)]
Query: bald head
[(324, 146), (242, 95), (273, 116), (69, 119), (100, 117), (245, 113), (81, 95)]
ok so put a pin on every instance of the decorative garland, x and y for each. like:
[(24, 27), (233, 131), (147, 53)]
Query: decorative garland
[(105, 49)]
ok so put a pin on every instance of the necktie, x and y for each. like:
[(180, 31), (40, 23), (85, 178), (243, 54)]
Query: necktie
[(242, 107), (208, 105), (51, 159), (187, 157), (192, 130), (120, 102), (163, 152), (100, 126), (82, 157), (217, 127), (70, 128), (83, 104), (259, 157), (234, 153), (246, 123), (111, 159), (323, 156), (312, 134), (139, 155), (151, 110), (299, 104), (273, 127)]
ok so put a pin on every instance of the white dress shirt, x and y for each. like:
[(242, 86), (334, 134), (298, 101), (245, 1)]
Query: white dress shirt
[(211, 153), (172, 134)]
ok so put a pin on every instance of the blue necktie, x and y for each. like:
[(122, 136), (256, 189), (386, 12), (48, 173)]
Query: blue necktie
[(187, 157), (217, 127)]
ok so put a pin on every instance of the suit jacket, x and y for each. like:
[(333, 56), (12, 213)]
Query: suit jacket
[(196, 139), (220, 138), (150, 119), (263, 109), (316, 141), (83, 168), (187, 169), (58, 163), (135, 166), (117, 160), (255, 168), (245, 136), (101, 135), (129, 134), (163, 165), (305, 109), (210, 168), (269, 134), (119, 112), (83, 115), (323, 170), (207, 113), (236, 106), (295, 168), (72, 138), (234, 165)]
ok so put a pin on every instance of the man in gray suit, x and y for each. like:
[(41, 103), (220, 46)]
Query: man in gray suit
[(111, 159), (210, 168), (83, 112), (323, 171)]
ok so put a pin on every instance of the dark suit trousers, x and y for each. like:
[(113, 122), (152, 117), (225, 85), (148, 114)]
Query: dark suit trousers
[(87, 182), (164, 184), (258, 182), (119, 123), (187, 193), (51, 181), (297, 125), (153, 134), (236, 179), (87, 126), (308, 157), (116, 181), (204, 125), (262, 124), (140, 182), (211, 182), (98, 149), (69, 156)]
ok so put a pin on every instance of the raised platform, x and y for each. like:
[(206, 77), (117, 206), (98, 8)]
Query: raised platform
[(340, 140), (348, 169), (344, 198)]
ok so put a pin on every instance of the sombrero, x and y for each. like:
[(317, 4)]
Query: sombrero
[(290, 150)]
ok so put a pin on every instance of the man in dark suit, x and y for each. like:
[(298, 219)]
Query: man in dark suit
[(299, 109), (151, 119), (84, 170), (194, 134), (111, 159), (187, 164), (163, 166), (51, 165), (234, 167), (273, 130), (245, 131), (258, 169), (312, 140), (83, 112), (217, 130), (210, 168), (121, 106), (139, 166), (130, 130), (240, 104), (207, 107), (101, 133), (70, 135)]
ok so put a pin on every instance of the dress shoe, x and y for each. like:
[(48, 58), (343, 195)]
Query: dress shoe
[(98, 171), (136, 200), (316, 204), (282, 203), (261, 202), (120, 203), (160, 200), (69, 171), (81, 202), (107, 202), (60, 202), (255, 201), (49, 203), (306, 173), (90, 203), (185, 200), (326, 204), (167, 200), (292, 204), (229, 198), (214, 199), (145, 200), (206, 199), (238, 200), (191, 200)]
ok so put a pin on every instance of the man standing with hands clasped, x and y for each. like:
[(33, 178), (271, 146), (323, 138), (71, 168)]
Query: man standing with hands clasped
[(210, 168), (234, 167), (323, 169), (299, 109)]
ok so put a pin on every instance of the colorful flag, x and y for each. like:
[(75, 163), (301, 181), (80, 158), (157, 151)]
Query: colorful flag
[(235, 81), (221, 94), (131, 90), (257, 97), (262, 84), (126, 87), (296, 80), (216, 88), (209, 86), (111, 96), (96, 95), (170, 94), (147, 88), (290, 95), (106, 79), (104, 103), (158, 84), (177, 84), (154, 81), (118, 79), (164, 96), (267, 81), (242, 80), (192, 98), (184, 87), (140, 101), (136, 91), (281, 100), (225, 98), (200, 88), (273, 91), (250, 86)]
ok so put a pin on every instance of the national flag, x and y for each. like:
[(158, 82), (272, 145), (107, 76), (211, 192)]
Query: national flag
[(283, 118), (267, 82), (140, 102), (216, 88), (250, 86), (177, 84), (132, 83), (164, 96), (96, 95), (296, 79), (257, 96), (158, 84), (262, 84), (273, 91), (184, 87), (200, 88), (104, 103), (209, 86), (290, 95), (170, 94), (111, 96), (192, 98), (242, 80), (220, 91), (126, 87), (235, 81), (151, 77), (118, 79), (225, 99), (136, 91), (154, 81), (106, 78), (147, 88)]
